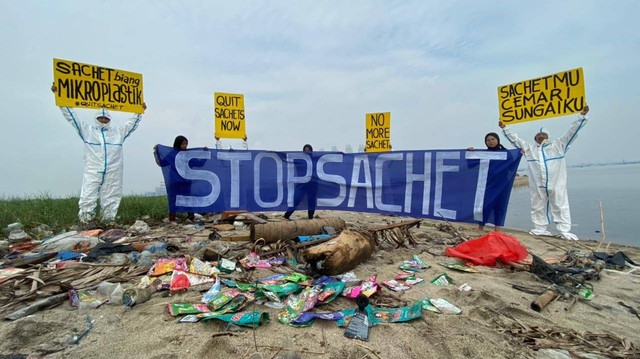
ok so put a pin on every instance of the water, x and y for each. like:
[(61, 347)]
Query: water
[(617, 186)]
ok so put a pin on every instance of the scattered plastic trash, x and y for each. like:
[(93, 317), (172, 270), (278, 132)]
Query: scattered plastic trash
[(112, 235), (358, 327), (367, 287), (347, 277), (181, 280), (227, 265), (69, 255), (133, 296), (78, 338), (247, 319), (442, 280), (396, 286), (139, 227), (252, 260), (238, 225), (313, 238), (71, 241), (167, 265), (177, 309), (445, 307), (191, 318), (415, 265), (459, 267), (585, 293), (86, 299), (465, 288), (111, 291), (18, 235)]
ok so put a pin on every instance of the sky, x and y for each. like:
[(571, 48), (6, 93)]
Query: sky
[(310, 71)]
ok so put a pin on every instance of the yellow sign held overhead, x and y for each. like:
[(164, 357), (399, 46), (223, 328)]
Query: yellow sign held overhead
[(544, 97), (229, 115), (378, 135), (90, 86)]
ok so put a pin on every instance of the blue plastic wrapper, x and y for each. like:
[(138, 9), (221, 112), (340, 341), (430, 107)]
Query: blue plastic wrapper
[(68, 255), (313, 238), (307, 318)]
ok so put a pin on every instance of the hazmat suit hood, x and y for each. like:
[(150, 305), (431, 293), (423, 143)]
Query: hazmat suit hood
[(541, 132), (103, 113)]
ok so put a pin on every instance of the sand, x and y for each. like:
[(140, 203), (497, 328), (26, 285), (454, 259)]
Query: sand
[(147, 330)]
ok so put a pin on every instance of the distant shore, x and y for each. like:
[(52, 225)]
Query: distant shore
[(521, 181)]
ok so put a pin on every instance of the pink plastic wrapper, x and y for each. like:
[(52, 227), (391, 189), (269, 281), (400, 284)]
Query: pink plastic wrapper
[(367, 288), (252, 260)]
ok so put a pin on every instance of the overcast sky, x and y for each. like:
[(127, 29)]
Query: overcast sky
[(310, 70)]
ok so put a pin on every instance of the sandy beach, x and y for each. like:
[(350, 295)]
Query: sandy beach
[(481, 330)]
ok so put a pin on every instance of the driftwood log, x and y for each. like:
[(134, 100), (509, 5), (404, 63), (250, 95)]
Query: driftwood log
[(272, 232), (341, 254)]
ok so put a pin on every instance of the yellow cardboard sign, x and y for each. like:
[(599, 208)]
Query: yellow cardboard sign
[(229, 115), (90, 86), (543, 97), (378, 135)]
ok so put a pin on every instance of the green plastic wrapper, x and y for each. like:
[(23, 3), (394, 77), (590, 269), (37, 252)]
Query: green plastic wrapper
[(296, 277), (385, 315), (246, 287), (458, 267), (296, 304), (246, 319), (237, 303), (330, 292), (221, 299), (282, 290), (176, 309), (426, 305), (442, 280)]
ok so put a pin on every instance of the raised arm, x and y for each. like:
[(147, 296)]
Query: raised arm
[(245, 145), (576, 126), (132, 124), (512, 136), (71, 117)]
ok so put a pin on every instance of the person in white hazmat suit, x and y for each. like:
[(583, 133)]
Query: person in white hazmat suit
[(548, 177), (103, 164)]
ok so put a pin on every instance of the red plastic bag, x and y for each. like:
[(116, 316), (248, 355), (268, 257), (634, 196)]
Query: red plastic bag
[(489, 248)]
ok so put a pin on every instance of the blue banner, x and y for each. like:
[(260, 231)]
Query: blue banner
[(463, 186)]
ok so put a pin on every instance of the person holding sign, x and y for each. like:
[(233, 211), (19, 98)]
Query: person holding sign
[(492, 141), (548, 176), (245, 145), (309, 189), (103, 165)]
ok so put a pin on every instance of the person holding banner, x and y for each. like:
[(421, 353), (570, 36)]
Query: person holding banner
[(309, 190), (548, 176), (180, 143), (103, 164), (492, 141)]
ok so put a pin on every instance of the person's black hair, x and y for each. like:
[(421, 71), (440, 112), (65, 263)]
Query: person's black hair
[(178, 142), (307, 146), (494, 135)]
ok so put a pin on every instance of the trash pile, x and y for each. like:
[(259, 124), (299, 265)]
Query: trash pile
[(310, 263), (248, 269)]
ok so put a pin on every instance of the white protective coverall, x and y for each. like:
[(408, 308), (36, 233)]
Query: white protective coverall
[(548, 179), (102, 163), (245, 145)]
